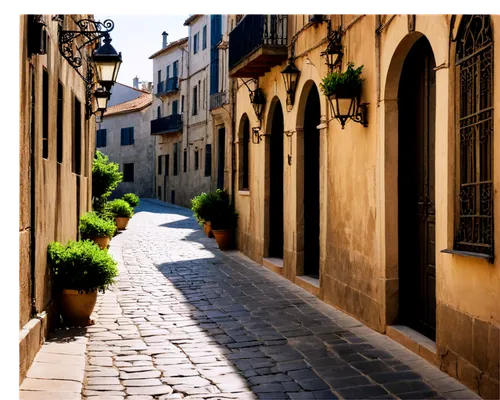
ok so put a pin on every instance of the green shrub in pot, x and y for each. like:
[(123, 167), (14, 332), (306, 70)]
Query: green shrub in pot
[(120, 208), (81, 266), (131, 199), (343, 84), (93, 226)]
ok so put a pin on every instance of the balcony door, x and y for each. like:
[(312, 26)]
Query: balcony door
[(175, 107), (174, 69)]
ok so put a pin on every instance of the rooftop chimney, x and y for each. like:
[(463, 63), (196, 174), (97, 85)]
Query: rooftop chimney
[(136, 82), (164, 34)]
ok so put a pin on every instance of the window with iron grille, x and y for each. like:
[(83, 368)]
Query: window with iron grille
[(208, 160), (127, 136), (474, 56), (159, 165), (128, 172), (101, 138)]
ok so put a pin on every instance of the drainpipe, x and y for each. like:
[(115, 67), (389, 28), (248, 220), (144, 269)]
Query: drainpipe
[(34, 311), (377, 55), (186, 104), (233, 124)]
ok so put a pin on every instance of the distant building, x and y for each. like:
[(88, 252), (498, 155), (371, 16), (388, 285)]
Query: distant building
[(121, 93), (124, 137), (182, 122)]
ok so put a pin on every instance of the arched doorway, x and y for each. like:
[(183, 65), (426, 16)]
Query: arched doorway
[(416, 190), (312, 116), (276, 184)]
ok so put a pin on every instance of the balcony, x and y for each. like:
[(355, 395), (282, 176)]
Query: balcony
[(256, 44), (218, 100), (170, 124), (168, 86)]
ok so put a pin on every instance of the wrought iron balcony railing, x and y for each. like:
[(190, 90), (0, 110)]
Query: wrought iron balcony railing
[(169, 124), (167, 86), (256, 31), (218, 100)]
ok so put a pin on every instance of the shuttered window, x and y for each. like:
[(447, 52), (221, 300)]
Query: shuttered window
[(127, 136)]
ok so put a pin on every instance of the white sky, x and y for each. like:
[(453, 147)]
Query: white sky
[(139, 36)]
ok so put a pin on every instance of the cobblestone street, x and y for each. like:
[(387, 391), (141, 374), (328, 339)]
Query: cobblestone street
[(186, 320)]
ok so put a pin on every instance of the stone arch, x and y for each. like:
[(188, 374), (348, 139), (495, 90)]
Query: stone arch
[(301, 101)]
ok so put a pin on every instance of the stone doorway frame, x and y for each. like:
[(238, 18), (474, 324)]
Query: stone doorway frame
[(267, 174), (298, 179), (390, 240)]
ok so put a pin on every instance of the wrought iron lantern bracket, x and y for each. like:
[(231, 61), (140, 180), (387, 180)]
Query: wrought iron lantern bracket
[(334, 50), (257, 98), (67, 37), (90, 31), (257, 136)]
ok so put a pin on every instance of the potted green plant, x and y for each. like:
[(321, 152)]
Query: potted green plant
[(80, 270), (122, 212), (105, 178), (131, 199), (223, 218), (343, 84), (96, 229), (202, 206)]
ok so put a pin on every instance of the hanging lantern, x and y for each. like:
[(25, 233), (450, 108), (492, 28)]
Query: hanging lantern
[(290, 77)]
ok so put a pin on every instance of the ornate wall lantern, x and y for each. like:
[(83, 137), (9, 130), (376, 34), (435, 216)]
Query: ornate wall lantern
[(256, 135), (104, 62), (258, 101), (102, 97), (107, 63), (290, 77), (334, 50), (345, 108)]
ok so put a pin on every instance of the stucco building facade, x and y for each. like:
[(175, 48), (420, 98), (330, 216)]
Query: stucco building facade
[(183, 124), (123, 135), (391, 222), (57, 141)]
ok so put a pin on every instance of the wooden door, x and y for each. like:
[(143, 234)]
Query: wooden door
[(416, 185)]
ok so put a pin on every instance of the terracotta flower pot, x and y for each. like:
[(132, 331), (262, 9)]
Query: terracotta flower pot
[(121, 222), (76, 308), (224, 238), (207, 226), (102, 241)]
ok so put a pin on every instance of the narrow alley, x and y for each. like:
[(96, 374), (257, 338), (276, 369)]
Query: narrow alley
[(185, 320)]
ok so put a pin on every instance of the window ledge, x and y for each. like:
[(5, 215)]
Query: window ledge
[(483, 256), (244, 192)]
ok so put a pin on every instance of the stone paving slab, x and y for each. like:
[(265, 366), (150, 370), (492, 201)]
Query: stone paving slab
[(187, 321), (57, 371)]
